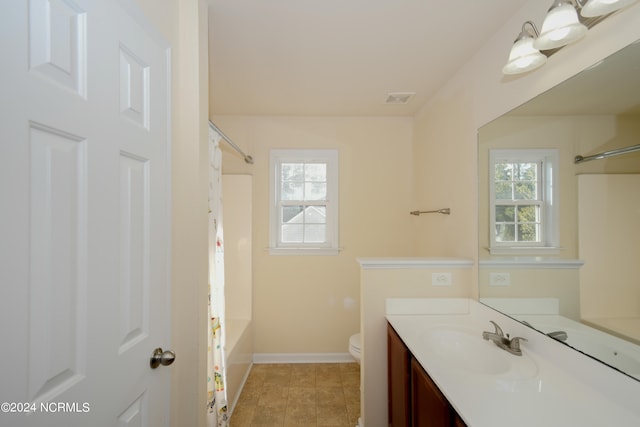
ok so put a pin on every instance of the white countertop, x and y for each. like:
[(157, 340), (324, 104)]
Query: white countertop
[(552, 385)]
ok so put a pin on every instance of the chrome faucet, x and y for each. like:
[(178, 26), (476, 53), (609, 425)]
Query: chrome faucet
[(558, 335), (503, 341)]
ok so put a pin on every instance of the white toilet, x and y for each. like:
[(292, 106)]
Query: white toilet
[(354, 346)]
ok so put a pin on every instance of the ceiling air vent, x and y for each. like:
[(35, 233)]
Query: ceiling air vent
[(399, 97)]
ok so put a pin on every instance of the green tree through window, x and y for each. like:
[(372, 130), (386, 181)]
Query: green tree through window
[(517, 208)]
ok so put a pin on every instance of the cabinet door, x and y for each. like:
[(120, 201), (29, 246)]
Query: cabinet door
[(398, 357), (458, 422), (429, 408)]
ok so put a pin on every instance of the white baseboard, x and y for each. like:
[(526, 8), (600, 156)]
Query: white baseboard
[(259, 358)]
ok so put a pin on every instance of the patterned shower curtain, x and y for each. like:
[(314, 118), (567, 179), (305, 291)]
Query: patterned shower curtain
[(216, 396)]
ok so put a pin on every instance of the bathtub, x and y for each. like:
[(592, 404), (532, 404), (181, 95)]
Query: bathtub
[(238, 357)]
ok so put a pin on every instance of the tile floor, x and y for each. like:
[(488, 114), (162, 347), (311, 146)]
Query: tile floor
[(317, 394)]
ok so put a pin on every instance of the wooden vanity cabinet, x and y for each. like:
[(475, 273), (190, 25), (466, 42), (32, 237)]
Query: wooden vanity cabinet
[(398, 360), (429, 407), (414, 399)]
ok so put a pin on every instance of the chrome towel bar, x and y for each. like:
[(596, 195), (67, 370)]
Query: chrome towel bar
[(445, 211)]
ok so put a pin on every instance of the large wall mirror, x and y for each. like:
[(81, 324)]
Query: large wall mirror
[(559, 240)]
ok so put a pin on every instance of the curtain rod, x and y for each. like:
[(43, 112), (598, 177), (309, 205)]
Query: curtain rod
[(248, 159), (605, 154)]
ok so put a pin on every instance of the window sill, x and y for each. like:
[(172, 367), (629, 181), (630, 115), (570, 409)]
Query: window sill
[(304, 251), (531, 263), (542, 250)]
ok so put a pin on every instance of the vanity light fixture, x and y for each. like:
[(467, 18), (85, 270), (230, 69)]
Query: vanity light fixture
[(602, 7), (523, 56), (561, 26)]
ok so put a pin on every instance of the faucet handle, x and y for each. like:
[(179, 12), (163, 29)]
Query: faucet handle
[(514, 344), (498, 329)]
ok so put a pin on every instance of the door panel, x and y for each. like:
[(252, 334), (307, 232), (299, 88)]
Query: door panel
[(58, 42), (57, 270), (134, 250)]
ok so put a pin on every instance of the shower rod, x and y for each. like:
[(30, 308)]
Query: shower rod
[(247, 158), (604, 155), (445, 211)]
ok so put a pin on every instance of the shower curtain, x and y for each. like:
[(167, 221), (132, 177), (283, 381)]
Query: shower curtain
[(216, 387)]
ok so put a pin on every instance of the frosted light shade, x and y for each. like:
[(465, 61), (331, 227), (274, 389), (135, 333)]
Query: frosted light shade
[(560, 27), (602, 7), (523, 57)]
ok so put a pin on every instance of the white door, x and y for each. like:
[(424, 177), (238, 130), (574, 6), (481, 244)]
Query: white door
[(85, 215)]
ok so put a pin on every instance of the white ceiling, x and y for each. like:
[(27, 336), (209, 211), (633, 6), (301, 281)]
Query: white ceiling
[(341, 57)]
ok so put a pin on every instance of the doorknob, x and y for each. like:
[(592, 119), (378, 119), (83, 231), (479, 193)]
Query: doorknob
[(159, 357)]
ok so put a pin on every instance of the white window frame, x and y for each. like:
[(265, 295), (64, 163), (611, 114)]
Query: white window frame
[(277, 158), (549, 205)]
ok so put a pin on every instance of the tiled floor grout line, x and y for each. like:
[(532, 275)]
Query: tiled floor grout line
[(314, 395)]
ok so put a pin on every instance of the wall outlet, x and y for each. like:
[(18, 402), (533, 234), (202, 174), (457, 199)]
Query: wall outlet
[(440, 279), (499, 279)]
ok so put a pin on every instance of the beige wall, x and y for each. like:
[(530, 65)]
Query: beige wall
[(310, 304), (610, 278), (560, 283), (444, 177), (183, 23), (446, 128)]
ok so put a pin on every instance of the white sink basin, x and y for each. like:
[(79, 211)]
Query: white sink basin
[(462, 349)]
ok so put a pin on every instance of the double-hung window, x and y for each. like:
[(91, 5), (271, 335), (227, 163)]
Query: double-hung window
[(304, 202), (523, 201)]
